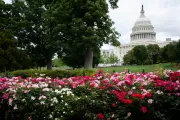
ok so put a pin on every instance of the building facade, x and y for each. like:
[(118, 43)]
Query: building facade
[(142, 34)]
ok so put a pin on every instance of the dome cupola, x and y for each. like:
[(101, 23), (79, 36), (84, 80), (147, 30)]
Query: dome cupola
[(143, 30)]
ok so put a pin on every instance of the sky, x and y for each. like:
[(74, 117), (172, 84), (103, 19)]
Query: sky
[(163, 14)]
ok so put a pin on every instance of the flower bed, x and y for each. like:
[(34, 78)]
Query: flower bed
[(118, 96)]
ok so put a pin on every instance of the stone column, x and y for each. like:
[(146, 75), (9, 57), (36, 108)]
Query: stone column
[(144, 35)]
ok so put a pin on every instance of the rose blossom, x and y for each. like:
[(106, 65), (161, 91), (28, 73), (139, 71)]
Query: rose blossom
[(100, 116), (5, 96), (150, 101), (143, 109), (10, 101)]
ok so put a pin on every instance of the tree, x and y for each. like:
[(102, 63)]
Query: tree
[(10, 56), (33, 33), (171, 52), (129, 58), (84, 24), (113, 58), (140, 53), (75, 57), (164, 56), (178, 52), (154, 52)]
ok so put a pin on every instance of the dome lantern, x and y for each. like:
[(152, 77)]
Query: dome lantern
[(142, 12)]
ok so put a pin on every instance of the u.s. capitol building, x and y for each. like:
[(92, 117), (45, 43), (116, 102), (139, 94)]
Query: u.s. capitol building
[(142, 34)]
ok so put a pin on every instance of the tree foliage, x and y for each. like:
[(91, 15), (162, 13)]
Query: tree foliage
[(154, 53), (140, 53), (33, 33), (85, 25), (129, 58), (64, 27), (10, 56)]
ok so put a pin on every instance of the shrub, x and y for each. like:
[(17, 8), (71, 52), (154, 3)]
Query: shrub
[(50, 73)]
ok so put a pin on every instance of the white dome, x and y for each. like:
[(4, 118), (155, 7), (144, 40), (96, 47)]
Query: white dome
[(143, 30), (143, 21)]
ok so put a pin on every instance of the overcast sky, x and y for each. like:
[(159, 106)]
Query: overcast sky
[(163, 14)]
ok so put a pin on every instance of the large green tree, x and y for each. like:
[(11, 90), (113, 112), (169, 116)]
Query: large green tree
[(129, 58), (140, 53), (10, 56), (178, 52), (164, 56), (84, 24), (153, 52), (171, 52), (113, 58), (32, 32)]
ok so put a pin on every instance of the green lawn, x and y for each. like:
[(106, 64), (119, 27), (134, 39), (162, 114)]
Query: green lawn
[(139, 68)]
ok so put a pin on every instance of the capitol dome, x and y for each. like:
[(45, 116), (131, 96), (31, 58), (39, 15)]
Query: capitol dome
[(143, 30)]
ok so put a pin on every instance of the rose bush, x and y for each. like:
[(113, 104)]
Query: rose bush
[(104, 96)]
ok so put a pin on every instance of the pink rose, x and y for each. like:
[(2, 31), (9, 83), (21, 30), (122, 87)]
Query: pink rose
[(5, 96)]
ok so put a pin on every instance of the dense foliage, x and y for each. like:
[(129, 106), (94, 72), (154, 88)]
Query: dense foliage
[(85, 25), (72, 29), (153, 54), (11, 57), (122, 96)]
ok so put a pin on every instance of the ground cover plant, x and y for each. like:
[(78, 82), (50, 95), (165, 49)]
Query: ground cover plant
[(104, 96)]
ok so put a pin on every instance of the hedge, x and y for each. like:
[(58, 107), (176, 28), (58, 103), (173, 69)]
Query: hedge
[(49, 73)]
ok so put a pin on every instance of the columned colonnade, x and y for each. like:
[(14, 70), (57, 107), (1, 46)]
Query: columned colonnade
[(143, 36)]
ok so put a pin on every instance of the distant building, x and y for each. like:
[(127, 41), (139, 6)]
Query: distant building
[(142, 34)]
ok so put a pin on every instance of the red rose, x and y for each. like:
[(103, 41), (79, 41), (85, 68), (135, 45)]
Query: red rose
[(100, 116), (128, 101), (143, 109), (113, 104), (5, 96), (148, 95)]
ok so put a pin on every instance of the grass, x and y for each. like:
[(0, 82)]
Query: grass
[(139, 68)]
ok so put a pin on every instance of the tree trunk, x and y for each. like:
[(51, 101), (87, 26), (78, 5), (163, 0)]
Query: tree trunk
[(88, 58), (49, 64)]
